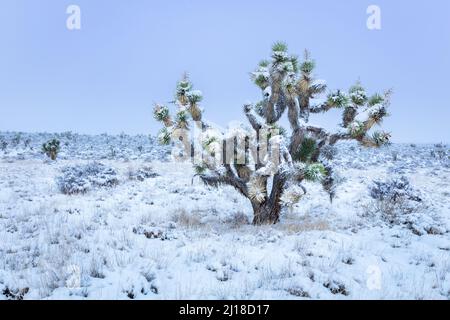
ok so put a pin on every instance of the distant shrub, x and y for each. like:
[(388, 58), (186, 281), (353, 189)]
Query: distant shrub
[(15, 141), (394, 189), (394, 198), (3, 144), (82, 178), (51, 148), (142, 174), (27, 143), (439, 152)]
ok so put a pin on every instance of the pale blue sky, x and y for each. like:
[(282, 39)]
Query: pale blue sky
[(129, 54)]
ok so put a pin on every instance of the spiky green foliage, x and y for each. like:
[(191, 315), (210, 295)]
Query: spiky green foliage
[(183, 87), (276, 129), (259, 108), (264, 63), (375, 99), (358, 94), (182, 117), (307, 66), (315, 172), (286, 66), (164, 136), (260, 79), (338, 99), (381, 138), (261, 76), (194, 96), (295, 63), (378, 113), (200, 169), (161, 112), (279, 52), (51, 148), (279, 47), (209, 141), (356, 129), (305, 150)]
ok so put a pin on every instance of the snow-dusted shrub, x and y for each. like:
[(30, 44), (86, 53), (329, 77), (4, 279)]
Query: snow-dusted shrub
[(17, 294), (82, 178), (395, 198), (15, 141), (237, 219), (439, 152), (329, 152), (395, 189), (142, 174), (397, 202), (3, 144)]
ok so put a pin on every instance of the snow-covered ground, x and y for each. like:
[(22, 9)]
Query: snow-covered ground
[(170, 237)]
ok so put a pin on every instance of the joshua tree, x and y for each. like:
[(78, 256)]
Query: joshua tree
[(51, 148), (267, 165)]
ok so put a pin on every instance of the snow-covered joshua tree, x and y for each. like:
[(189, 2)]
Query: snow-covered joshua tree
[(264, 162)]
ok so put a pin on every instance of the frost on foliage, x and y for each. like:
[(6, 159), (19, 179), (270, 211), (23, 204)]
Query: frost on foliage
[(143, 173), (315, 172), (257, 189), (164, 136), (394, 189), (194, 96), (399, 203), (82, 178), (356, 128), (381, 138), (358, 95), (338, 99), (292, 195), (161, 113)]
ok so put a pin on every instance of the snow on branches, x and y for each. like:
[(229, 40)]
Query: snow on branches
[(263, 161)]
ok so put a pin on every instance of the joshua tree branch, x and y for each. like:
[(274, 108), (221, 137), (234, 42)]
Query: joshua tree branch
[(255, 123), (323, 107), (228, 179)]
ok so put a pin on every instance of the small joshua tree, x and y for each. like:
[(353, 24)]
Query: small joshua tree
[(51, 148), (265, 163)]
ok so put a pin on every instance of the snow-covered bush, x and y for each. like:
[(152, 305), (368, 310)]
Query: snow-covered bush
[(82, 178), (142, 174), (439, 152), (3, 145), (395, 189), (394, 198)]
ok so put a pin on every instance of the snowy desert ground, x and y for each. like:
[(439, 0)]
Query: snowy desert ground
[(166, 236)]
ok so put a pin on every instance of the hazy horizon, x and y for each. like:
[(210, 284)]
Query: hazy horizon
[(105, 77)]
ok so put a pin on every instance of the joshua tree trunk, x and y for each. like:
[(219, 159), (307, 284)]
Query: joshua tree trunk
[(266, 213), (51, 155)]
